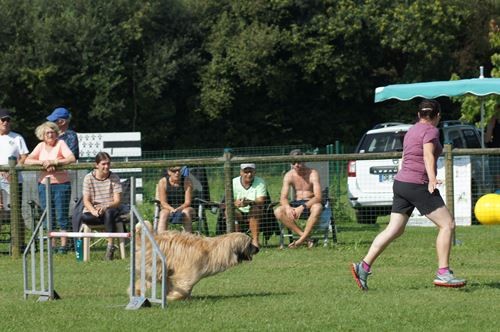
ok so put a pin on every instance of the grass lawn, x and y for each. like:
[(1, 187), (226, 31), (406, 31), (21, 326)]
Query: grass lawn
[(281, 290)]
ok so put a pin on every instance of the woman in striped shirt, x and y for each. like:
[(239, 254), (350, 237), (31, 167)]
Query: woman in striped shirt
[(102, 198)]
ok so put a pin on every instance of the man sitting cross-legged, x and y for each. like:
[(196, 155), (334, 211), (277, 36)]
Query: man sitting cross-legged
[(307, 204)]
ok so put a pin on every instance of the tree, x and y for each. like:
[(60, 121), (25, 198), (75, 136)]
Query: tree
[(471, 105)]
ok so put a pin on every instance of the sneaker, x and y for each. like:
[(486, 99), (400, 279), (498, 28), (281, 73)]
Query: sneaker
[(448, 280), (110, 251), (360, 275)]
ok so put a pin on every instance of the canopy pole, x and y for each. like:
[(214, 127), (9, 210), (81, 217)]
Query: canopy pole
[(482, 122), (481, 75)]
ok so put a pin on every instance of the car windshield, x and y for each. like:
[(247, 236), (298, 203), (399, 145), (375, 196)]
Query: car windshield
[(382, 142)]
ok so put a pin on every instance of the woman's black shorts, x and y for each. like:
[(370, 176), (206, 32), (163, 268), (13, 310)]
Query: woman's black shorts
[(408, 196)]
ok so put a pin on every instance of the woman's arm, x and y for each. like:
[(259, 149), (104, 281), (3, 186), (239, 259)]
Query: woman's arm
[(34, 157), (162, 194), (117, 200), (188, 194), (89, 206), (430, 166)]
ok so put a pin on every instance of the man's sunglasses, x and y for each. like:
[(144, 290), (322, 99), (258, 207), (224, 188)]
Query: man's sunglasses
[(174, 170), (6, 119)]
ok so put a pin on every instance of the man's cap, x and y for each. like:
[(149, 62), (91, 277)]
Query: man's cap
[(4, 113), (296, 152), (243, 166), (58, 113)]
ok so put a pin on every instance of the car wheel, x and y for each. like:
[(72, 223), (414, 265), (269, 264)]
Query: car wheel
[(366, 216)]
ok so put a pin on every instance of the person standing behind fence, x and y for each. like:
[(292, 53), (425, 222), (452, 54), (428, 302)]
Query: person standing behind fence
[(50, 153), (415, 185), (175, 193), (11, 144), (492, 138), (102, 198), (61, 117)]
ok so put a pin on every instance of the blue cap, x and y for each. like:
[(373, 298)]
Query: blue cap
[(59, 113)]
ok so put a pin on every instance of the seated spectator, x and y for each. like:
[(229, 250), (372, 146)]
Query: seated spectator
[(61, 117), (249, 194), (307, 203), (175, 193), (50, 153), (102, 198)]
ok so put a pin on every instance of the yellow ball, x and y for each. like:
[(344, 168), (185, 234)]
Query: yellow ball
[(487, 209)]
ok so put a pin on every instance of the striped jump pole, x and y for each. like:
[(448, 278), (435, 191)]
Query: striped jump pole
[(90, 235)]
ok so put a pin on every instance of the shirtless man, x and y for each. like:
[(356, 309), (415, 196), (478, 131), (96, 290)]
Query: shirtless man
[(307, 203)]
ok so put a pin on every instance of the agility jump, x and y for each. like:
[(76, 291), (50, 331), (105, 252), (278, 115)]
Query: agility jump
[(42, 276)]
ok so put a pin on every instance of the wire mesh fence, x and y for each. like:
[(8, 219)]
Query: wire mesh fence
[(343, 175)]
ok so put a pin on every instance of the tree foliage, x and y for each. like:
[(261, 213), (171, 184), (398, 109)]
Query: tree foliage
[(190, 73)]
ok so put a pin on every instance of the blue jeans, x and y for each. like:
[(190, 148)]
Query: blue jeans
[(60, 197)]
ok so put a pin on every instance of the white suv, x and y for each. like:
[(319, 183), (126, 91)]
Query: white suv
[(369, 182)]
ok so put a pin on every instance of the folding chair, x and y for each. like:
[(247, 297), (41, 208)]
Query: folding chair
[(199, 202), (326, 222), (268, 226)]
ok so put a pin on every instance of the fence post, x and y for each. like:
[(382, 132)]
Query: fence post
[(132, 238), (228, 190), (337, 171), (448, 167), (15, 210)]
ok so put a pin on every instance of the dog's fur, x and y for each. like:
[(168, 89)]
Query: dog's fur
[(192, 257)]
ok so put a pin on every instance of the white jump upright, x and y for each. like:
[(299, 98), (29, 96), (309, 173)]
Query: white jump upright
[(143, 300), (39, 279)]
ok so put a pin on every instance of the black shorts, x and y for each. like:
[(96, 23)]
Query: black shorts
[(408, 196)]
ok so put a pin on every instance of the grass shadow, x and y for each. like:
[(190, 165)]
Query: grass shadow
[(473, 286), (362, 228), (237, 296)]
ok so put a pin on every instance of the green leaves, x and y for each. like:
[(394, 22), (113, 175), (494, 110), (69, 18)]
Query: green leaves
[(197, 73)]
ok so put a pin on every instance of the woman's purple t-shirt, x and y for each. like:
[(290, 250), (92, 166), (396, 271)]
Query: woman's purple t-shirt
[(413, 168)]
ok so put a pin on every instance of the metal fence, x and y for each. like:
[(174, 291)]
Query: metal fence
[(215, 171)]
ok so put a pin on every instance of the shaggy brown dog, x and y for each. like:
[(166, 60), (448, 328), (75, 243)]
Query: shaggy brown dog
[(192, 257)]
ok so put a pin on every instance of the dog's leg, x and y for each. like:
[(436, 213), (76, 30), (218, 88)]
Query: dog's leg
[(182, 284), (174, 295)]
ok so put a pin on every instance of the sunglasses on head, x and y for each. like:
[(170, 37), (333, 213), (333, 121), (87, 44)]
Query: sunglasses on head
[(6, 119)]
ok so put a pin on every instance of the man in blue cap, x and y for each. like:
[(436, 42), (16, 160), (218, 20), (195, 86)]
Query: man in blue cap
[(61, 116)]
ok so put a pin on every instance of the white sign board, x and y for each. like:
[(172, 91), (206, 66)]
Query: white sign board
[(117, 144), (462, 192), (125, 144)]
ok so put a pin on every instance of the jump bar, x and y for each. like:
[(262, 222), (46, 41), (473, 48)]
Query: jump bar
[(93, 235)]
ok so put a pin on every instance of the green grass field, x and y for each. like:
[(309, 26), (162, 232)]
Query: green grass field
[(281, 290)]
